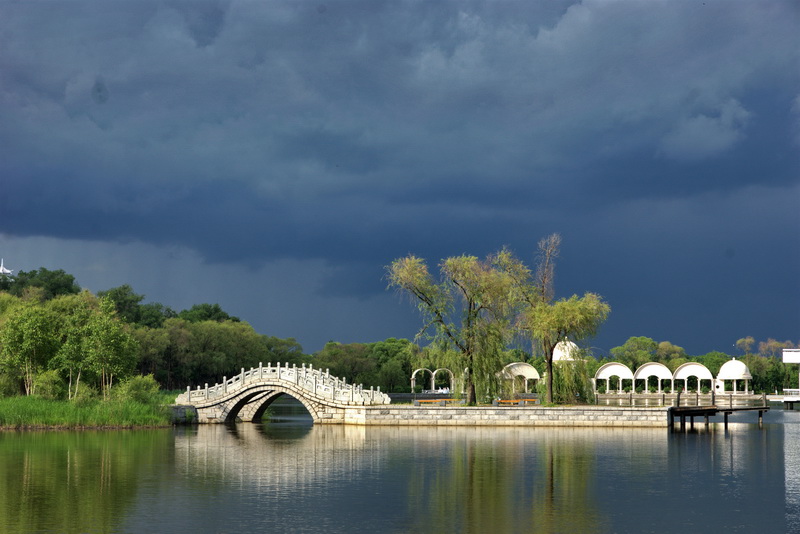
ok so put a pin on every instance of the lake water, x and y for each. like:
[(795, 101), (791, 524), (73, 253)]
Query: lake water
[(288, 476)]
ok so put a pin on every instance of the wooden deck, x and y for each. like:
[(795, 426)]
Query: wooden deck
[(707, 411)]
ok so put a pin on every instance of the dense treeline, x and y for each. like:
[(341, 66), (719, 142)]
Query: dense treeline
[(58, 341)]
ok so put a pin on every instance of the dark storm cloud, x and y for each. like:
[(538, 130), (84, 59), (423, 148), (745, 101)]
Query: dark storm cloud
[(355, 132)]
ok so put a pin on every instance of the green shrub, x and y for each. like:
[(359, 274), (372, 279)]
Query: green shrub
[(141, 389), (85, 395), (9, 386), (49, 385)]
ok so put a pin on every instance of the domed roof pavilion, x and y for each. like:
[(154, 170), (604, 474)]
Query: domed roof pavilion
[(734, 370)]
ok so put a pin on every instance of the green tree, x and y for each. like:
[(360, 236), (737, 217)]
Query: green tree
[(131, 310), (6, 282), (8, 303), (713, 361), (394, 358), (773, 348), (154, 344), (571, 382), (111, 351), (153, 314), (206, 312), (548, 322), (351, 361), (51, 283), (674, 363), (468, 314), (636, 352), (74, 313), (175, 372), (29, 340), (283, 350), (575, 318), (666, 351), (759, 370), (126, 302), (779, 375), (745, 344), (392, 376), (216, 349)]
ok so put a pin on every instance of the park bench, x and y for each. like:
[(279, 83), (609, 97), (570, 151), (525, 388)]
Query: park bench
[(514, 402), (437, 402)]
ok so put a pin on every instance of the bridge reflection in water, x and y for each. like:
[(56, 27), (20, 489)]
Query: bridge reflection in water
[(496, 479)]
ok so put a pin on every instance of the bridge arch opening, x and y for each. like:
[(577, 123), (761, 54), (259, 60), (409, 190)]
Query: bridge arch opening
[(284, 409), (252, 405)]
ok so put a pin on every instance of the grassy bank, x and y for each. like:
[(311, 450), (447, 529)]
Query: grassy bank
[(33, 412)]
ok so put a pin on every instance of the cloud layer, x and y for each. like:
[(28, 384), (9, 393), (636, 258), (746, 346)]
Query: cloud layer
[(349, 133)]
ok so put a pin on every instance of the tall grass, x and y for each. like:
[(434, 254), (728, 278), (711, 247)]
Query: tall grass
[(27, 412)]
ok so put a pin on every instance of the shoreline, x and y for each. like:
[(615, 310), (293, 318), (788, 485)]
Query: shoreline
[(588, 415), (35, 428)]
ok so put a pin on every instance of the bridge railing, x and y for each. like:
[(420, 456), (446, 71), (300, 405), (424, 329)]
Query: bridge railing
[(314, 381)]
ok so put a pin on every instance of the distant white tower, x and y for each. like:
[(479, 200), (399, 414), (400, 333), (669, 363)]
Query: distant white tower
[(3, 270)]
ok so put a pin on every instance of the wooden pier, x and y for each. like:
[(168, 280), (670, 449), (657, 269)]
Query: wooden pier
[(707, 411)]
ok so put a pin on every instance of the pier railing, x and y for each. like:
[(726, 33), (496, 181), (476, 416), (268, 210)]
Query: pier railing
[(313, 382), (680, 399)]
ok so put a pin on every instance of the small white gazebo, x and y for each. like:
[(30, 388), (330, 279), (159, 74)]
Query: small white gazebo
[(610, 369), (733, 370), (524, 370), (659, 370), (692, 369)]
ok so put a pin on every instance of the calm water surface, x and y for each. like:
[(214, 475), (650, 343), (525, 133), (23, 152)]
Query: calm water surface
[(287, 476)]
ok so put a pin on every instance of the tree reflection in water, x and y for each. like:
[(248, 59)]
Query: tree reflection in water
[(75, 481), (333, 478), (505, 480)]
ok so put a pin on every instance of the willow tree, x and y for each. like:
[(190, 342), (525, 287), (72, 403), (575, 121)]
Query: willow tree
[(545, 320), (575, 318), (469, 311)]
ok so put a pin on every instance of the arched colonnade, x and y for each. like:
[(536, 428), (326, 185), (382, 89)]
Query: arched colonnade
[(432, 375), (730, 372)]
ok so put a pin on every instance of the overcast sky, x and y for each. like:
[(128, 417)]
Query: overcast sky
[(273, 157)]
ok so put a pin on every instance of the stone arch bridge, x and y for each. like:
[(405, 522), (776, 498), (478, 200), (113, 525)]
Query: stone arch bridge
[(246, 396)]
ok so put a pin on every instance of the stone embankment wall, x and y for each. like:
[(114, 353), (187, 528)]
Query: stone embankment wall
[(585, 416), (182, 414)]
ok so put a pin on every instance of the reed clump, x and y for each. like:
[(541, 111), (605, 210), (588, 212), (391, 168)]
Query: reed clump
[(35, 412)]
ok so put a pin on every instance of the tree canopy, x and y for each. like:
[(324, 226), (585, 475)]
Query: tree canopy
[(206, 312), (43, 283), (468, 313), (473, 313), (575, 318)]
